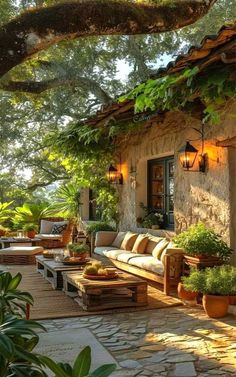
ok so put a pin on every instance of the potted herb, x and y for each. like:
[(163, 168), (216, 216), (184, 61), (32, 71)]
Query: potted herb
[(152, 219), (79, 251), (216, 284), (202, 244), (31, 230)]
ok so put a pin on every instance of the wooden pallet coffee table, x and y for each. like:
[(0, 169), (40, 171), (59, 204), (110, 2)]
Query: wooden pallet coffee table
[(93, 295), (52, 270)]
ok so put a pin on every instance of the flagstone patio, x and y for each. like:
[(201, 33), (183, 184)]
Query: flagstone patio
[(172, 342)]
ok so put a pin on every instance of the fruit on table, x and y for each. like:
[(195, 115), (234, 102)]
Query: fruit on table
[(97, 265), (102, 271), (90, 270)]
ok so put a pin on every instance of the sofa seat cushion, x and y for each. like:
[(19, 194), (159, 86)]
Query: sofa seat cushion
[(148, 263), (114, 254), (126, 256), (102, 250), (21, 250), (49, 236)]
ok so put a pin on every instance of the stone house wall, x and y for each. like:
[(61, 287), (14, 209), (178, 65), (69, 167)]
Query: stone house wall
[(209, 197)]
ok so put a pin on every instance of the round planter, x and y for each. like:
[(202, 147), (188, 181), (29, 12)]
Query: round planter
[(31, 233), (232, 300), (185, 295), (215, 306), (2, 233)]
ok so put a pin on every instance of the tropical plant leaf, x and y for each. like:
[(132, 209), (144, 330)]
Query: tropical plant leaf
[(82, 363)]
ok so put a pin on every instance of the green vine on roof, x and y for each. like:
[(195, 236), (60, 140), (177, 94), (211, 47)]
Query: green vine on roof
[(175, 92)]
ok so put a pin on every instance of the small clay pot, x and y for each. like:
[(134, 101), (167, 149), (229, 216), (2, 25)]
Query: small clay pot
[(185, 295), (2, 233), (79, 256), (31, 233), (215, 306), (232, 300)]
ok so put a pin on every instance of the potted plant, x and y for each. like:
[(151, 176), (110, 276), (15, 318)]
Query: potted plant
[(31, 229), (79, 251), (216, 284), (152, 219), (3, 230), (184, 294), (203, 245)]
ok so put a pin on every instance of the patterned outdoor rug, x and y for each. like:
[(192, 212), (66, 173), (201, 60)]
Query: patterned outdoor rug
[(49, 303)]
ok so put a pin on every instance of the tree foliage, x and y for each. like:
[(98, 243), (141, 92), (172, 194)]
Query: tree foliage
[(76, 77)]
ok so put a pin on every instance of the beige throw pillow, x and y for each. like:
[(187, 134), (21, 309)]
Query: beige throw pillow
[(152, 242), (140, 244), (157, 251), (118, 240), (128, 241)]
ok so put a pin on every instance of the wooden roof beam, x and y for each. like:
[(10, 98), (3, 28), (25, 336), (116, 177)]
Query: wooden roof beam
[(230, 142)]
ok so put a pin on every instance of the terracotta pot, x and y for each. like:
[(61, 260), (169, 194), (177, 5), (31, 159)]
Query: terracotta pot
[(80, 256), (2, 233), (185, 295), (155, 226), (203, 260), (215, 306), (232, 300), (31, 233)]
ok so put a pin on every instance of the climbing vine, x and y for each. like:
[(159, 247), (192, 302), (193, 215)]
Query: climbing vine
[(174, 92)]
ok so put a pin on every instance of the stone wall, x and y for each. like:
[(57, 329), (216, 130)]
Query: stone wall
[(199, 196)]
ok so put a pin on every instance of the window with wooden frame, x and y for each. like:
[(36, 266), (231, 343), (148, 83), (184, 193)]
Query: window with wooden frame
[(161, 188)]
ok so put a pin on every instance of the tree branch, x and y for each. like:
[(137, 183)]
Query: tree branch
[(38, 87), (134, 50), (39, 28)]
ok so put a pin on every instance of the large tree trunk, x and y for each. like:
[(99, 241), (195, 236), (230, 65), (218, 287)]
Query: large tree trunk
[(39, 28)]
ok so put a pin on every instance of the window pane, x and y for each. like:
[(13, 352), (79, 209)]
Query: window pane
[(157, 172), (157, 187), (158, 202), (171, 203)]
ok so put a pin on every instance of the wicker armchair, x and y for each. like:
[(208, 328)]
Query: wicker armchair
[(62, 241)]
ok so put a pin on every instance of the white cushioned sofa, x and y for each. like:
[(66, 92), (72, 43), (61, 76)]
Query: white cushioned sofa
[(144, 255)]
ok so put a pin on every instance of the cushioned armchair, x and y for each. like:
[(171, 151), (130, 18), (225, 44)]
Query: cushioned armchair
[(55, 232), (154, 258)]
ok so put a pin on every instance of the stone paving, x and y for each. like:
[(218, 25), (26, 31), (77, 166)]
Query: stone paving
[(172, 342)]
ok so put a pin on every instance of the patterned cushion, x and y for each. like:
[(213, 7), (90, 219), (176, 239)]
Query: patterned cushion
[(58, 228)]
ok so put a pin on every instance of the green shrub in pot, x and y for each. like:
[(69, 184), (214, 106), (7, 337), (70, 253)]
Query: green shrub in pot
[(216, 284), (97, 227), (78, 248), (198, 240)]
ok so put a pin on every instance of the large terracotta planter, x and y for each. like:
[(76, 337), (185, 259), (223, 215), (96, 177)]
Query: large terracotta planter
[(232, 300), (31, 233), (202, 261), (215, 306), (185, 295)]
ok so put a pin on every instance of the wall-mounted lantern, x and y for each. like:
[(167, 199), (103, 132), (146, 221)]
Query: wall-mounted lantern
[(188, 154), (114, 176)]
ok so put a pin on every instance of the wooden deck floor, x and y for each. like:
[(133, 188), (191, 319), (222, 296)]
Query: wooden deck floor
[(49, 303)]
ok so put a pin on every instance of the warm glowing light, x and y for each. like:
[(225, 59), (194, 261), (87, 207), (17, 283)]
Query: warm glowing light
[(188, 156), (114, 176)]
